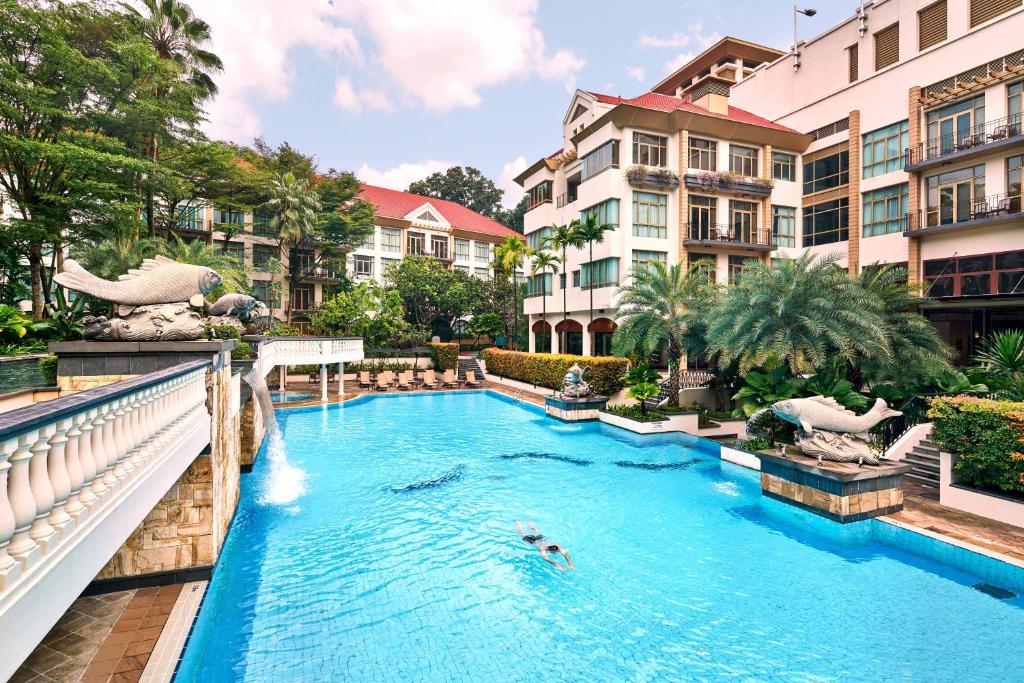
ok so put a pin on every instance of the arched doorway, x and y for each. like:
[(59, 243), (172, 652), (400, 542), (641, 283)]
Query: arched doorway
[(542, 336), (602, 329), (572, 332)]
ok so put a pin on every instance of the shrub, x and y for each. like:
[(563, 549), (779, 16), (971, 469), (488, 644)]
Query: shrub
[(989, 437), (378, 366), (243, 351), (635, 413), (605, 373), (445, 355), (48, 366), (222, 332)]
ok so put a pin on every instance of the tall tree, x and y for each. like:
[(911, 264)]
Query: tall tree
[(562, 237), (544, 261), (514, 217), (508, 259), (590, 231), (345, 220), (466, 186), (434, 295), (294, 212)]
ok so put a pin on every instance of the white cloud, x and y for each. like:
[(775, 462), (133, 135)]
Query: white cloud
[(398, 177), (675, 40), (637, 73), (562, 66), (356, 101), (513, 192), (677, 62)]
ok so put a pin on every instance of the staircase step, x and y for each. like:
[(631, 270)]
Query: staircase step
[(927, 481)]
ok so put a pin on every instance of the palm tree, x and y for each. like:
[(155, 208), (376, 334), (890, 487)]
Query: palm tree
[(176, 34), (562, 237), (542, 261), (656, 309), (294, 210), (590, 231), (199, 253), (800, 313), (508, 256), (114, 256)]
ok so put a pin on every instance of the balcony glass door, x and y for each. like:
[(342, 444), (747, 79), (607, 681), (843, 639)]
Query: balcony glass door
[(952, 196), (955, 203), (702, 217), (952, 127), (744, 221)]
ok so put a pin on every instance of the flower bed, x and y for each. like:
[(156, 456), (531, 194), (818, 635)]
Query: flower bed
[(713, 181), (548, 369), (987, 435)]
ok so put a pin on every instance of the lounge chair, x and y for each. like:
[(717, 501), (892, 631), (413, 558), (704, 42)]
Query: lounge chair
[(383, 381), (405, 381), (471, 380), (429, 381), (449, 379), (364, 380)]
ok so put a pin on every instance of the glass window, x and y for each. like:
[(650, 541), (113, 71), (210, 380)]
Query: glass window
[(607, 212), (465, 269), (827, 172), (883, 149), (953, 126), (302, 298), (482, 273), (482, 251), (1013, 101), (261, 225), (736, 266), (743, 160), (362, 266), (539, 194), (539, 285), (1014, 177), (743, 221), (641, 259), (262, 255), (884, 210), (223, 216), (650, 150), (575, 278), (710, 261), (955, 196), (417, 244), (784, 225), (650, 215), (190, 218), (235, 249), (385, 262), (461, 249), (537, 239), (369, 242), (783, 166), (826, 222), (265, 291), (976, 275), (703, 218), (391, 240), (439, 247), (601, 273), (604, 157), (703, 154)]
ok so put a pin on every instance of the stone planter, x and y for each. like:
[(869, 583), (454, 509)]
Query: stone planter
[(738, 187), (740, 457), (651, 180), (635, 425), (990, 504), (575, 409)]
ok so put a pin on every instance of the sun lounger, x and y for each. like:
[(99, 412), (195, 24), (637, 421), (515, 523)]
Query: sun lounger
[(383, 381), (405, 381), (429, 381), (449, 379), (471, 380), (364, 379)]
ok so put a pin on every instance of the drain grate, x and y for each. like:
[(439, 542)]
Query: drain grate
[(994, 591)]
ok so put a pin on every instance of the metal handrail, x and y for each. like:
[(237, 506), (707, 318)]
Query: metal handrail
[(725, 232), (978, 136), (991, 206), (888, 431)]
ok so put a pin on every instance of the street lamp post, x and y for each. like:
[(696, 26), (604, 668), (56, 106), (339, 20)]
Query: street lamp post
[(809, 12)]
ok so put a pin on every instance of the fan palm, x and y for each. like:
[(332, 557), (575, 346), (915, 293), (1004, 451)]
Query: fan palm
[(562, 237), (542, 262), (199, 253), (508, 256), (799, 313), (590, 231), (655, 310)]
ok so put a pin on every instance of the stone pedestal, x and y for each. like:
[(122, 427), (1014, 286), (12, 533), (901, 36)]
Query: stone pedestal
[(842, 492), (575, 409)]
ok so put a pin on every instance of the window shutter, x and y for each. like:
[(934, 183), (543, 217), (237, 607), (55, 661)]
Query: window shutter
[(887, 46), (983, 10), (931, 25), (854, 63)]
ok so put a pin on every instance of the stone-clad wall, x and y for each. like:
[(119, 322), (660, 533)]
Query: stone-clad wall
[(224, 452), (251, 434)]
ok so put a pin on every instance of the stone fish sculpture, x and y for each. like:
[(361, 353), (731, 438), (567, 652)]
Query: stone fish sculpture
[(159, 322), (574, 385), (238, 305), (829, 431)]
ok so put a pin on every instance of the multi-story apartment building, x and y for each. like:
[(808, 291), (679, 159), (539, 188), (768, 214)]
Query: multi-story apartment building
[(916, 106), (406, 224), (910, 151), (680, 172)]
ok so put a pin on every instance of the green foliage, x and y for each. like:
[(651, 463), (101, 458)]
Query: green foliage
[(643, 391), (243, 351), (225, 331), (366, 310), (283, 330), (15, 325), (445, 355), (380, 365), (466, 186), (48, 368), (198, 253), (756, 444), (122, 250), (65, 318), (641, 374), (22, 348), (761, 389), (988, 437), (1002, 363), (345, 221), (487, 324), (766, 424), (430, 292), (637, 413), (957, 382), (605, 374)]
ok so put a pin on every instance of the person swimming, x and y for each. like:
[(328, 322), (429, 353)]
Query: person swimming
[(545, 546)]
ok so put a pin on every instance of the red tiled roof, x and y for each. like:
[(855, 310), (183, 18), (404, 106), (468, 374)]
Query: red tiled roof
[(398, 204), (659, 102)]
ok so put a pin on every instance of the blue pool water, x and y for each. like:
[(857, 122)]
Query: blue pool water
[(289, 396), (683, 573)]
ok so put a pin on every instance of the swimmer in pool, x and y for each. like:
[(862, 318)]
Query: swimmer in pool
[(545, 546)]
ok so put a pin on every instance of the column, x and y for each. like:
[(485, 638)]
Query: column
[(323, 382), (556, 339), (684, 197), (587, 334), (914, 189), (341, 380), (853, 257), (282, 375), (59, 478), (42, 490)]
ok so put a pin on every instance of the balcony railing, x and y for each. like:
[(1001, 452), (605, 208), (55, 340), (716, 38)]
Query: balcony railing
[(319, 274), (726, 234), (193, 226), (564, 199), (986, 209), (439, 251), (977, 138)]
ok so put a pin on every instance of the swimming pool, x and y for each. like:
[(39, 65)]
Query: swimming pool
[(290, 396), (683, 572)]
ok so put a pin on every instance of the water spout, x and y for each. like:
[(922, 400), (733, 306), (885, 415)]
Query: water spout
[(286, 482)]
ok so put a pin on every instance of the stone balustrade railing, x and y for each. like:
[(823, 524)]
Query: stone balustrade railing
[(276, 351), (66, 461)]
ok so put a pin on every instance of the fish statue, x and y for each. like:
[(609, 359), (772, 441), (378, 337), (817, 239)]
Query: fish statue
[(827, 414), (158, 280), (238, 305)]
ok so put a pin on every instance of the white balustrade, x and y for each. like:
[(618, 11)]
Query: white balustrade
[(60, 470)]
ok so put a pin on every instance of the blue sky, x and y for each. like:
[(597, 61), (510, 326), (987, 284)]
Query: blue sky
[(395, 89)]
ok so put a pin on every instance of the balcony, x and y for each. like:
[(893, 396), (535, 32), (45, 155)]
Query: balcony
[(319, 275), (729, 236), (652, 177), (564, 199), (967, 144), (991, 210), (199, 227), (729, 183)]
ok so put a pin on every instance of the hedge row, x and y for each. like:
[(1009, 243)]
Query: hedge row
[(605, 373), (445, 355), (989, 437)]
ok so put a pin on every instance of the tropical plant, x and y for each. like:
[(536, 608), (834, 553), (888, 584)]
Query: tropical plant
[(198, 253), (15, 325), (294, 212), (542, 262), (1002, 359), (956, 382), (487, 324), (115, 255), (641, 373), (561, 238), (801, 312), (590, 231), (178, 35), (641, 392), (761, 389), (655, 310), (65, 317), (367, 310), (508, 258)]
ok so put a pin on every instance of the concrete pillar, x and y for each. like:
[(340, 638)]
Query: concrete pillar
[(684, 197), (323, 382), (531, 336), (587, 341), (282, 377), (341, 380), (556, 340), (854, 194), (914, 191)]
